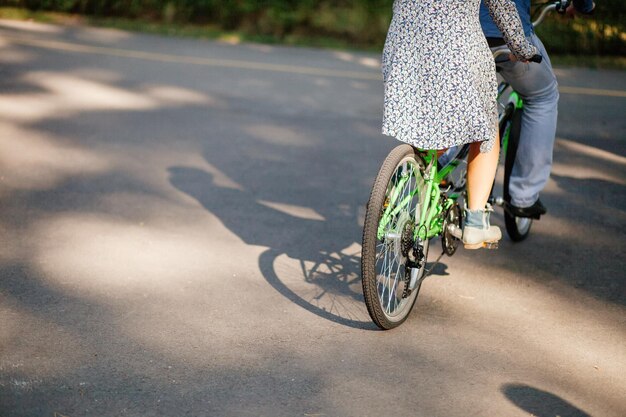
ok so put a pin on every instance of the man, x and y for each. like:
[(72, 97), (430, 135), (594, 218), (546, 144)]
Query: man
[(537, 85)]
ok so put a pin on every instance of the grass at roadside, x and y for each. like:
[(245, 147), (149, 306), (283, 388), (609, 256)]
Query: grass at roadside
[(216, 33)]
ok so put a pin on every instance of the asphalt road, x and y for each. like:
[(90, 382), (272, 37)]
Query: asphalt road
[(180, 224)]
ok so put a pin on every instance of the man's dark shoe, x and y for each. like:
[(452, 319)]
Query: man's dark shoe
[(534, 212)]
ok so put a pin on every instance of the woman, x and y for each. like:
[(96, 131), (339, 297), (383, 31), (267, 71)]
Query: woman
[(440, 89)]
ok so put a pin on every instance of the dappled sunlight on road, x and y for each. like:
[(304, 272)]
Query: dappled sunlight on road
[(88, 34), (527, 315), (67, 95), (365, 61), (538, 310), (587, 162), (220, 179), (101, 255), (13, 56), (278, 135), (176, 96), (30, 26), (293, 210), (190, 230), (601, 237), (260, 47), (33, 160), (591, 151), (586, 173), (102, 35), (581, 171)]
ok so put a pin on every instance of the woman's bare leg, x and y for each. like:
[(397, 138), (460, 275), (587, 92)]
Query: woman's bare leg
[(481, 171)]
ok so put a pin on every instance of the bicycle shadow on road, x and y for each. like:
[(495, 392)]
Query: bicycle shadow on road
[(540, 403), (330, 289), (321, 275), (315, 263)]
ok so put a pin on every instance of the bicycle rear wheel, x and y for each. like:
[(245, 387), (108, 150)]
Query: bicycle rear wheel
[(391, 282), (518, 228)]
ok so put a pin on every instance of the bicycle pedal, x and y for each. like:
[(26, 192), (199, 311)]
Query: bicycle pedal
[(490, 245), (485, 245)]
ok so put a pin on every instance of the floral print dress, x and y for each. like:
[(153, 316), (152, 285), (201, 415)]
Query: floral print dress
[(439, 73)]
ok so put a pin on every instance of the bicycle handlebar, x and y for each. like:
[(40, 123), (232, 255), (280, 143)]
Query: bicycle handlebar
[(559, 5), (543, 14)]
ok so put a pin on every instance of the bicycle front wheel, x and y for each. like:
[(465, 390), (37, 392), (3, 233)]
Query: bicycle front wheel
[(390, 281), (518, 228)]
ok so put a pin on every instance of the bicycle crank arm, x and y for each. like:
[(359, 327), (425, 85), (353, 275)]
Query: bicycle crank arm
[(455, 231), (499, 201)]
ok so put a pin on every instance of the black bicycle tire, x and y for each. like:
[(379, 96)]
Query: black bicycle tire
[(509, 111), (510, 221), (370, 228)]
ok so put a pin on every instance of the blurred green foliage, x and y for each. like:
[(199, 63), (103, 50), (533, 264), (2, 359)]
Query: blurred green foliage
[(603, 33), (359, 22)]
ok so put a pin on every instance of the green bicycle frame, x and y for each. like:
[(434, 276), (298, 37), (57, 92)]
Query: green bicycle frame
[(430, 223), (518, 104)]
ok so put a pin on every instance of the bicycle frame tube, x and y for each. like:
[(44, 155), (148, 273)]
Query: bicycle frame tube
[(429, 210), (514, 98), (451, 166), (432, 208), (392, 209), (430, 223)]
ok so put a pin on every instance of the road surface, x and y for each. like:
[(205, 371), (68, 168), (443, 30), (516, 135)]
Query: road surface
[(180, 230)]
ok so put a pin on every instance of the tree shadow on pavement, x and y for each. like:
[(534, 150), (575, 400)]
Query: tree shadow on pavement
[(540, 403)]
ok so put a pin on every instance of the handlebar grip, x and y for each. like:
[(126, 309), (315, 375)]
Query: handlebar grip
[(562, 7), (536, 58)]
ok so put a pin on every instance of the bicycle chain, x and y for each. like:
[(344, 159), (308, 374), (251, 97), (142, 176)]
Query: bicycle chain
[(417, 251)]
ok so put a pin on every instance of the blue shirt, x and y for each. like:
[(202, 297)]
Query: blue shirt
[(523, 7)]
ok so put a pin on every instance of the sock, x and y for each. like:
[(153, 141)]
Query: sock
[(474, 218)]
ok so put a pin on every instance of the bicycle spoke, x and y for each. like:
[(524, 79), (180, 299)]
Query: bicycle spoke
[(384, 274), (390, 261), (395, 288), (397, 204), (391, 264)]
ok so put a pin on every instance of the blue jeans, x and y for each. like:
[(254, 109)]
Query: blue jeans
[(537, 85)]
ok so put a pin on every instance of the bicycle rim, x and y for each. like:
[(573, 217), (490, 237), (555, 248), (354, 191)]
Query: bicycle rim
[(399, 189)]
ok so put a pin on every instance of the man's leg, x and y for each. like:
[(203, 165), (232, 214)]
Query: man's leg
[(538, 87)]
